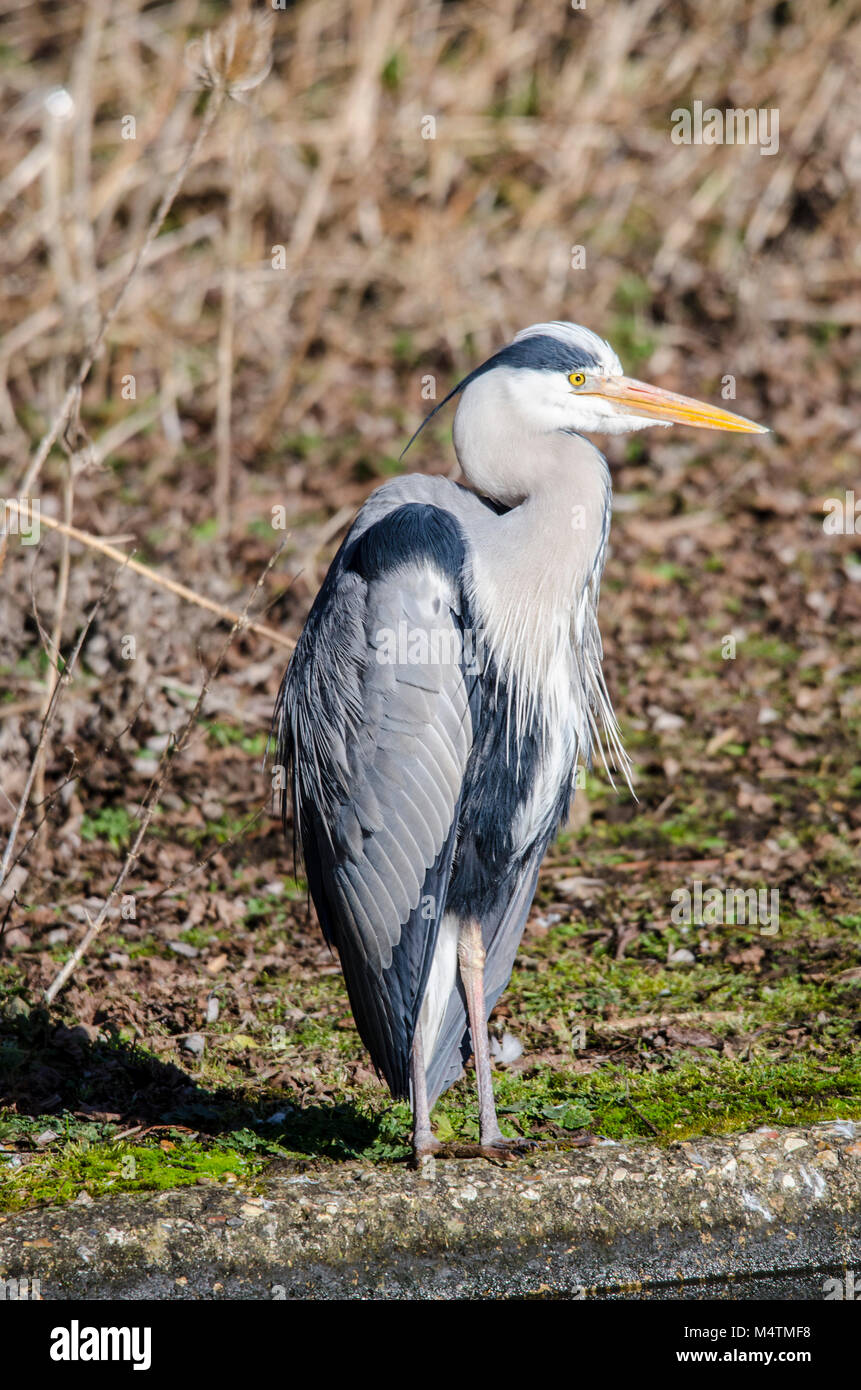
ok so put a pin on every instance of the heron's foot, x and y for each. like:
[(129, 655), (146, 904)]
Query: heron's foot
[(456, 1150), (576, 1141), (499, 1148), (503, 1150), (425, 1144)]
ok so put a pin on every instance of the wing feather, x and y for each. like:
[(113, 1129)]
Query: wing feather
[(378, 744)]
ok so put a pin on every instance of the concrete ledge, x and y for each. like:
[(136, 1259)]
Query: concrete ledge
[(769, 1214)]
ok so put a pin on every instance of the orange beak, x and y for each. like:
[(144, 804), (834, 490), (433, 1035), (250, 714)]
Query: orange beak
[(637, 398)]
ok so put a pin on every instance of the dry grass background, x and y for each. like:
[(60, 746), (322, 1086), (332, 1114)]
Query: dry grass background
[(296, 387)]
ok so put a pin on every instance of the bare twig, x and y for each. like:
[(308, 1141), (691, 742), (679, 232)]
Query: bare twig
[(45, 807), (7, 914), (224, 398), (83, 87), (53, 674), (43, 736), (173, 587), (153, 796)]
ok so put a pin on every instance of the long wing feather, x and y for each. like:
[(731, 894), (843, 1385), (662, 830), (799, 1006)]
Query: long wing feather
[(377, 731)]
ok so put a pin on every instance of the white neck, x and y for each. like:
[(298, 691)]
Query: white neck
[(536, 575)]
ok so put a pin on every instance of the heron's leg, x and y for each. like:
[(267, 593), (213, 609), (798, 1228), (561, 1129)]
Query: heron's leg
[(424, 1141), (471, 956)]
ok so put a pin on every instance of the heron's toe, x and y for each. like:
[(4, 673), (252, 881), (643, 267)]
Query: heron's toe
[(501, 1148), (425, 1146)]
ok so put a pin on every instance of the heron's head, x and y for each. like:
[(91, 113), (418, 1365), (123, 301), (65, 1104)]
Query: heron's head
[(560, 378)]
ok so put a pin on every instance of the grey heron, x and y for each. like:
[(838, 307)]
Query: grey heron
[(446, 685)]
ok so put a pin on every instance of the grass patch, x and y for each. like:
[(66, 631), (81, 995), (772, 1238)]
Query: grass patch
[(103, 1168)]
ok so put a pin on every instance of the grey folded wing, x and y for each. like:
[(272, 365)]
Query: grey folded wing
[(374, 720)]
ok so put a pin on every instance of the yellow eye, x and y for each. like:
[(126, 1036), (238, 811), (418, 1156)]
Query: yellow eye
[(577, 378)]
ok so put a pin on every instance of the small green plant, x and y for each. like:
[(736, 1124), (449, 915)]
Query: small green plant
[(111, 823)]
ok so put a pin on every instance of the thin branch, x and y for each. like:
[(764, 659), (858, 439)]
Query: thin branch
[(172, 586), (226, 333), (43, 736), (7, 914), (153, 795), (45, 806), (59, 615)]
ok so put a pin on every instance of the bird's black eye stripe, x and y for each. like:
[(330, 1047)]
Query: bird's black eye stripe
[(542, 353)]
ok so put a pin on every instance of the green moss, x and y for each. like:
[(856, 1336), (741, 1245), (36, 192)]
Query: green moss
[(225, 827), (771, 650), (57, 1176), (668, 571), (205, 531), (221, 735), (712, 1096)]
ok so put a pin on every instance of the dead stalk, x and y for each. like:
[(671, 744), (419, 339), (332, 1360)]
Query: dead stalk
[(227, 327), (43, 736), (59, 616), (171, 585)]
